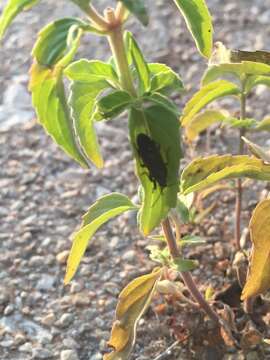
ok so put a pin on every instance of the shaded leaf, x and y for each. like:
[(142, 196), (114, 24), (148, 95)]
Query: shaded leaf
[(133, 302), (11, 10), (203, 172), (138, 9), (183, 265), (83, 4), (191, 240), (162, 126), (113, 104), (263, 125), (206, 95), (256, 80), (52, 42), (104, 209), (240, 123), (164, 79), (164, 101), (257, 150), (161, 256), (199, 23), (139, 62), (258, 280)]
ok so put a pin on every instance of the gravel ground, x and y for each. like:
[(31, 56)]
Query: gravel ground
[(44, 194)]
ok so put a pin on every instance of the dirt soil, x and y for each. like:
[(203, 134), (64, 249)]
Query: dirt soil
[(44, 195)]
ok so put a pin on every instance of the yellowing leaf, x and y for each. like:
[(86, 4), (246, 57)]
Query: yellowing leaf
[(133, 302), (258, 151), (258, 280), (203, 172), (206, 95), (100, 212)]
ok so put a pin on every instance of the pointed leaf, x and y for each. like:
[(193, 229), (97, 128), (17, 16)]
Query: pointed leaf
[(52, 41), (263, 125), (191, 240), (164, 79), (162, 127), (138, 9), (203, 172), (104, 209), (11, 10), (139, 62), (199, 23), (206, 95), (258, 151), (133, 302), (113, 104), (258, 280)]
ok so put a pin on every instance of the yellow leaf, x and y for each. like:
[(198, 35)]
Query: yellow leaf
[(258, 280), (133, 301)]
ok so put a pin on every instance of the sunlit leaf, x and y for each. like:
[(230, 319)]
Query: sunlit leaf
[(138, 9), (199, 22), (11, 10), (164, 79), (258, 280), (104, 209), (161, 126), (206, 95), (133, 302), (203, 172)]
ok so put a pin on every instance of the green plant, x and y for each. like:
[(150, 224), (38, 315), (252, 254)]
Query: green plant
[(100, 91)]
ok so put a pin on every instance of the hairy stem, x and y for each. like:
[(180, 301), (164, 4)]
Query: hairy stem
[(186, 276), (239, 189)]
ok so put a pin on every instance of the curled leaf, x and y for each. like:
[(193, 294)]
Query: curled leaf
[(258, 280)]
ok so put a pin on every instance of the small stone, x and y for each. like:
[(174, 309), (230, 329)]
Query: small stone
[(62, 257), (81, 299), (40, 353), (48, 320), (46, 282), (17, 95), (129, 256), (75, 287), (65, 320), (9, 309), (27, 347), (97, 356), (19, 339), (69, 355)]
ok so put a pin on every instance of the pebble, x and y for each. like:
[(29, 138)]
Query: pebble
[(46, 282), (65, 320), (48, 320), (27, 347), (81, 299), (62, 256), (69, 355), (129, 256), (40, 353)]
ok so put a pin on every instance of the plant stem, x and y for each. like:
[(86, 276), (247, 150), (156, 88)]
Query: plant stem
[(186, 276), (239, 189), (116, 41), (96, 18)]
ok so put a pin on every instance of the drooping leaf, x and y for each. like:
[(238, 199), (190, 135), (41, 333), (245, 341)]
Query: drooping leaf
[(199, 22), (258, 151), (258, 280), (161, 126), (133, 302), (203, 172), (202, 121), (164, 79), (240, 123), (52, 41), (256, 80), (113, 104), (89, 79), (138, 9), (263, 125), (104, 209), (139, 62), (49, 100), (11, 10), (206, 95)]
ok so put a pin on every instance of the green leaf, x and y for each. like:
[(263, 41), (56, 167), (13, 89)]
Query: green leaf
[(240, 123), (200, 122), (89, 80), (132, 304), (162, 100), (138, 9), (162, 126), (164, 79), (256, 80), (104, 209), (139, 62), (183, 265), (199, 23), (239, 70), (91, 71), (53, 41), (263, 125), (206, 95), (11, 10), (258, 280), (82, 102), (49, 100), (191, 240), (83, 4), (113, 104), (258, 151), (204, 172), (161, 256)]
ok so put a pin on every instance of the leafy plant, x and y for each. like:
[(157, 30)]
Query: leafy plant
[(127, 83)]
